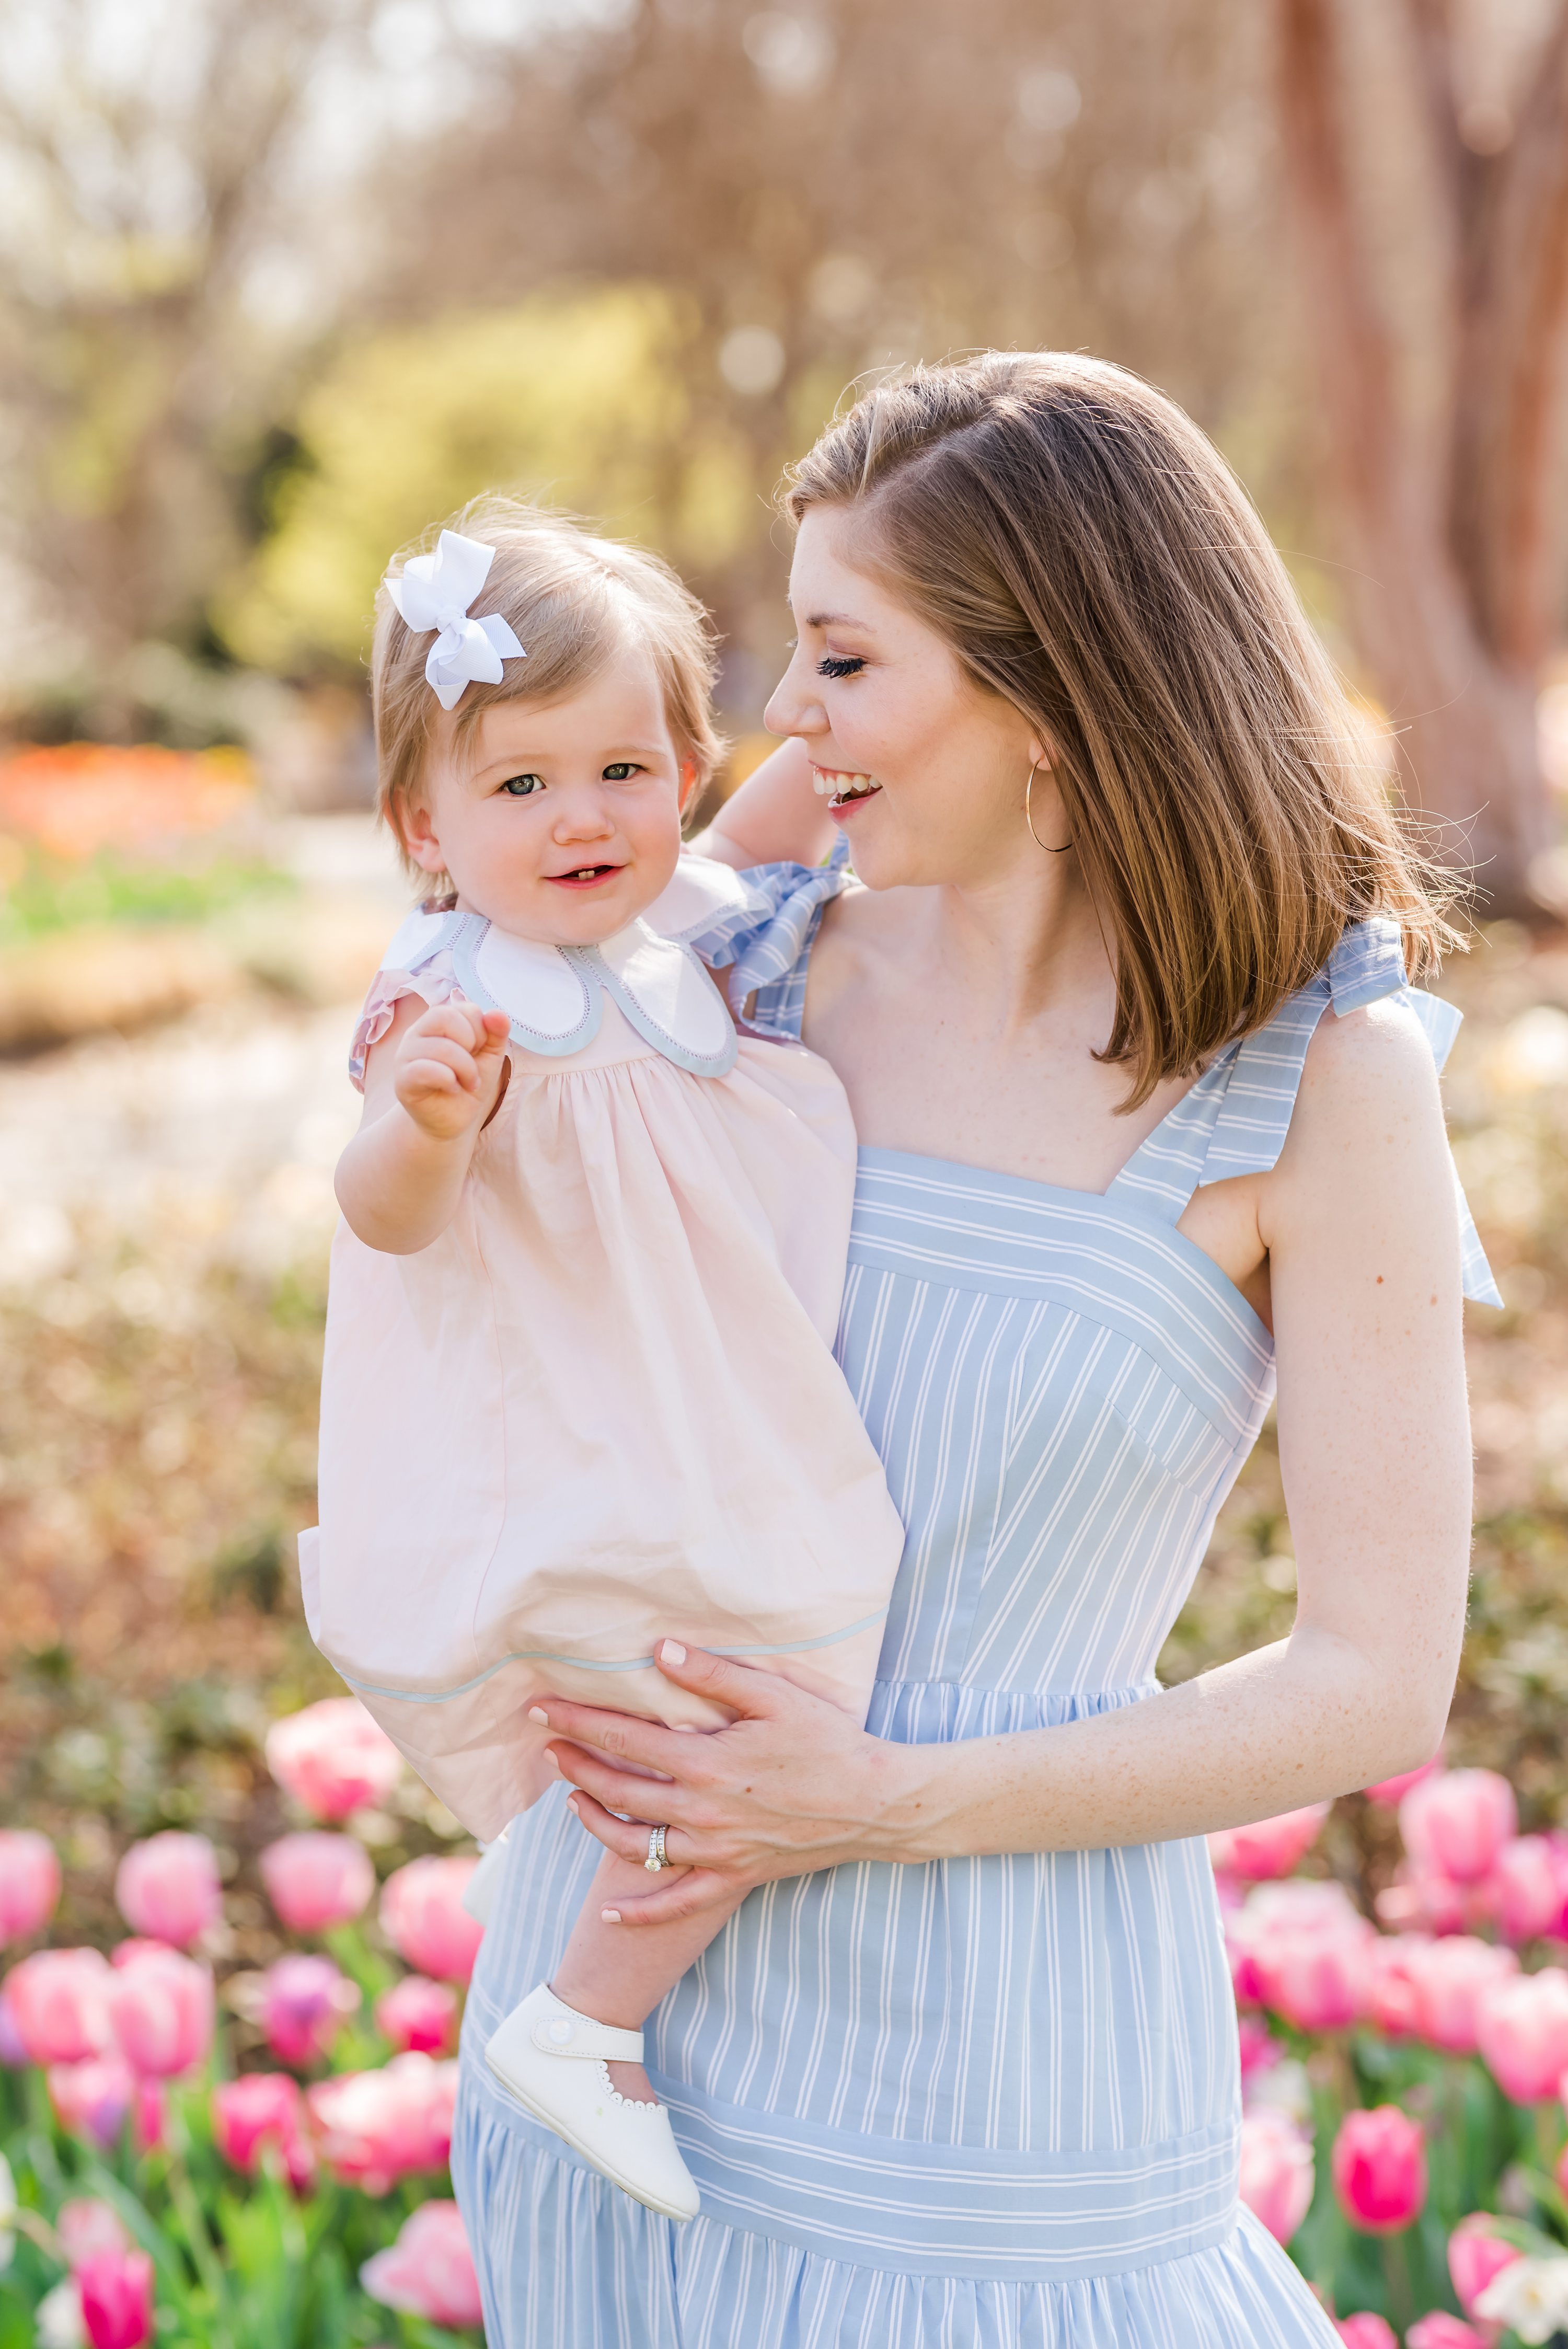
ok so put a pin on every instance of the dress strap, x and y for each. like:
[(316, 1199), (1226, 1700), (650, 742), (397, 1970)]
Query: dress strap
[(770, 951), (1235, 1118)]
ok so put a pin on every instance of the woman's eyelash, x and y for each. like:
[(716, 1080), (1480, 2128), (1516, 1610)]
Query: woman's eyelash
[(840, 665)]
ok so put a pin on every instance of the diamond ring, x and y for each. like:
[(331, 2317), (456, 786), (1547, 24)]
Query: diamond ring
[(657, 1856)]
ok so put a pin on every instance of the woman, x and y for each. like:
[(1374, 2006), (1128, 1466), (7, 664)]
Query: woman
[(963, 2068)]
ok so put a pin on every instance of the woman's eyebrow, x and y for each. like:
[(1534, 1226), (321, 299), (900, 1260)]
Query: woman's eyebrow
[(834, 620)]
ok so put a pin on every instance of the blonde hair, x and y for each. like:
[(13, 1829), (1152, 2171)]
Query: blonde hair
[(1089, 555), (573, 598)]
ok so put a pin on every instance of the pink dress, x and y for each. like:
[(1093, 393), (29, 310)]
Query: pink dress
[(601, 1408)]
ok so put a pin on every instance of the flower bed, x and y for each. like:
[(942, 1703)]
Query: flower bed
[(1403, 2082), (150, 2188)]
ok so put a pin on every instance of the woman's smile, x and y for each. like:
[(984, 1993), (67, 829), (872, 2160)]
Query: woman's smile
[(842, 789)]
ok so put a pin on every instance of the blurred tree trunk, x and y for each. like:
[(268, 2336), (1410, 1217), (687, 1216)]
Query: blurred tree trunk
[(1450, 521)]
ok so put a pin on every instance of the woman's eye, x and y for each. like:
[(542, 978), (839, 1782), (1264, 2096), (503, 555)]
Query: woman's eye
[(840, 665), (522, 787), (621, 772)]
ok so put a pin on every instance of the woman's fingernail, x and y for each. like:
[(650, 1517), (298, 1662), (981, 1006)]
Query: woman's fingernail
[(571, 1807), (536, 1712), (553, 1763), (611, 1915), (672, 1652)]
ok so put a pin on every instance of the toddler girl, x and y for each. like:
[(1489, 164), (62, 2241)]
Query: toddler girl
[(578, 1394)]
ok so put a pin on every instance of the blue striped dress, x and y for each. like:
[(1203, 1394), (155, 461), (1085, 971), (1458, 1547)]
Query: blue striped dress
[(990, 2103)]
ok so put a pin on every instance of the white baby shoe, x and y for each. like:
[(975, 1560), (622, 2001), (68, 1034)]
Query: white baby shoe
[(553, 2059)]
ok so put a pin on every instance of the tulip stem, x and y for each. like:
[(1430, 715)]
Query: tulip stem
[(1396, 2267), (1548, 2137), (205, 2258)]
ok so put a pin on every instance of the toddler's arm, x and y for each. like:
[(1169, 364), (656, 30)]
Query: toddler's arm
[(430, 1085), (773, 818)]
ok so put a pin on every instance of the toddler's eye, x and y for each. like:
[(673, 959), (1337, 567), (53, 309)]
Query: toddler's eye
[(522, 787), (622, 770), (840, 665)]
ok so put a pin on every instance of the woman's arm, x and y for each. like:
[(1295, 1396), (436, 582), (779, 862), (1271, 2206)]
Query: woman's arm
[(775, 817), (430, 1085), (1361, 1226)]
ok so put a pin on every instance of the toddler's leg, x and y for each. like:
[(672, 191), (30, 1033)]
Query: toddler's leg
[(618, 1973)]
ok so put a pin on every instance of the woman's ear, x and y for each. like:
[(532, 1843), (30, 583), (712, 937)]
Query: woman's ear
[(419, 838), (1039, 753)]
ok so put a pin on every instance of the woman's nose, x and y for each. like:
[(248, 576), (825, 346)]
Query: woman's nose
[(792, 707)]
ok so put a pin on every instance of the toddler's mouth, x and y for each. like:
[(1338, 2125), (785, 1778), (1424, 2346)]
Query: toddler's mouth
[(583, 876), (840, 788)]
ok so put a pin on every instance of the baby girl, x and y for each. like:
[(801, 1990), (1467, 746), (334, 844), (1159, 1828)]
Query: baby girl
[(578, 1395)]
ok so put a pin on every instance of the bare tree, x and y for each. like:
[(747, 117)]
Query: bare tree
[(1444, 427)]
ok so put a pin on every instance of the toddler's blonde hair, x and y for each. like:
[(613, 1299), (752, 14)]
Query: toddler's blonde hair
[(573, 598)]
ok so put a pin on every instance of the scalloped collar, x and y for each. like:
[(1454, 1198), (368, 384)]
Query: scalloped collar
[(554, 996)]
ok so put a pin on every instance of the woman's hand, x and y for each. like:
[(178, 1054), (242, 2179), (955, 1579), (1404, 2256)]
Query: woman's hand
[(792, 1785)]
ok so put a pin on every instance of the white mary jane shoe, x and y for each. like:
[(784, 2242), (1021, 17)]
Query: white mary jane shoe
[(552, 2060)]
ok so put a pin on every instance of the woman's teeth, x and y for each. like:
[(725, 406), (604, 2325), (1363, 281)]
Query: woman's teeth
[(827, 783)]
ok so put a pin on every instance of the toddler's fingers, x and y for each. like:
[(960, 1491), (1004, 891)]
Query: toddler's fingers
[(460, 1023), (431, 1077), (445, 1052)]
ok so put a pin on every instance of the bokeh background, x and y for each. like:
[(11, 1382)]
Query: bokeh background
[(282, 282)]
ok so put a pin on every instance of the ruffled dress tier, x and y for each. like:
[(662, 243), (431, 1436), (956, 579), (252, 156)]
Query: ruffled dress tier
[(992, 2103), (602, 1407)]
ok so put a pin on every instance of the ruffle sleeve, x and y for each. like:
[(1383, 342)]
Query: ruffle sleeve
[(768, 941), (435, 983)]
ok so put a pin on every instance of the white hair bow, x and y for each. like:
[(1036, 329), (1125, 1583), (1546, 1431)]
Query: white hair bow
[(434, 591)]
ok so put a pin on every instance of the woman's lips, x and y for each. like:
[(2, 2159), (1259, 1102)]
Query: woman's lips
[(841, 788), (583, 876)]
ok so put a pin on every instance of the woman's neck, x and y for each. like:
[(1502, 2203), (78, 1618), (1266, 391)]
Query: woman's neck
[(1025, 942)]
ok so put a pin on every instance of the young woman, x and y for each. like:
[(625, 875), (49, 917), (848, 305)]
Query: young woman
[(1148, 1113)]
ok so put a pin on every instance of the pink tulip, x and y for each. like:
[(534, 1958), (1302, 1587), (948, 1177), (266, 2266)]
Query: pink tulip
[(1317, 1982), (151, 2113), (86, 2227), (1423, 1903), (1521, 2031), (59, 1999), (1529, 1883), (423, 1919), (332, 1758), (1269, 1847), (1260, 2051), (1390, 2001), (261, 2109), (13, 2046), (1391, 1791), (429, 2270), (168, 1888), (1451, 1977), (423, 2014), (1379, 2169), (304, 2002), (161, 2007), (314, 1881), (1277, 2175), (1441, 2331), (29, 1883), (93, 2099), (1365, 2329), (1475, 2255), (378, 2126), (1455, 1823), (115, 2289)]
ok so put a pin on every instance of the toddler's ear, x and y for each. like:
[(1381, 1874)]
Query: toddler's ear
[(688, 783)]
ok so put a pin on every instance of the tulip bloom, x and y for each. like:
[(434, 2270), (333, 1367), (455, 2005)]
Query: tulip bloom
[(1529, 1882), (1522, 2031), (261, 2109), (1366, 2330), (429, 2270), (1277, 2174), (86, 2227), (305, 2003), (332, 1758), (422, 2014), (60, 2000), (378, 2126), (29, 1883), (116, 2290), (1391, 1791), (168, 1888), (1451, 1978), (1441, 2331), (1390, 2001), (161, 2007), (1379, 2169), (425, 1920), (1269, 1847), (314, 1881), (93, 2099), (1455, 1824), (1475, 2255), (13, 2047)]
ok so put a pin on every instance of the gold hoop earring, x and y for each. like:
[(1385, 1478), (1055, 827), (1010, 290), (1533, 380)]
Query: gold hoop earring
[(1029, 820)]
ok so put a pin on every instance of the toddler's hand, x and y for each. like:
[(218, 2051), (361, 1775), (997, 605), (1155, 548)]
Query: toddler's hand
[(448, 1068)]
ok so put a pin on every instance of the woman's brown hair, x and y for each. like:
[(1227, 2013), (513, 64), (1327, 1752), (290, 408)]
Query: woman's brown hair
[(1089, 555), (573, 599)]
